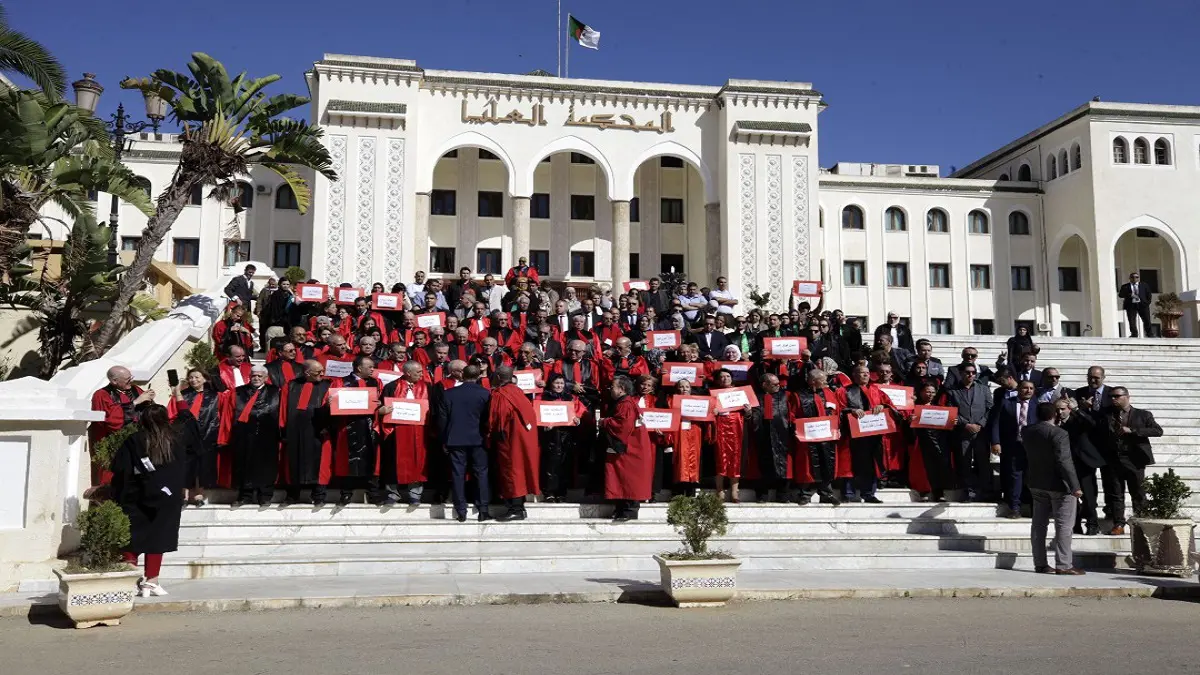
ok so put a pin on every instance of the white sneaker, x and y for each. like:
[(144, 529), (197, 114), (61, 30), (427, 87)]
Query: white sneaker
[(147, 589)]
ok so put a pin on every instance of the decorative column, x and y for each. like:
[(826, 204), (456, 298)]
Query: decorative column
[(620, 246), (712, 242), (520, 211), (421, 232)]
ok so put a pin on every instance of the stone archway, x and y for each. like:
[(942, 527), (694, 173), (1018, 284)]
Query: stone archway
[(1151, 247), (1071, 296)]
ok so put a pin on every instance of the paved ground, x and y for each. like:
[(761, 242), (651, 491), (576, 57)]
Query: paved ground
[(831, 637)]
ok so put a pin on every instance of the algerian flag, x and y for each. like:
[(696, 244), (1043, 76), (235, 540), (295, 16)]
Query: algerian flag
[(586, 36)]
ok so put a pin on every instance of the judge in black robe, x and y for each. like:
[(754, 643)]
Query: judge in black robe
[(307, 450), (202, 404), (284, 370), (253, 422), (771, 424), (356, 437)]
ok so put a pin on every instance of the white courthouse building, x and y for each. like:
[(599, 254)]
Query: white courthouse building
[(608, 181)]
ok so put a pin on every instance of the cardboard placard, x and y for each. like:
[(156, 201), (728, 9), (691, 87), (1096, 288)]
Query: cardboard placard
[(660, 419), (871, 425), (696, 408), (335, 368), (526, 381), (817, 429), (408, 411), (638, 285), (554, 413), (312, 292), (740, 370), (934, 417), (353, 401), (387, 301), (388, 376), (784, 347), (734, 398), (674, 372), (434, 320), (347, 296), (806, 289), (901, 397), (663, 339)]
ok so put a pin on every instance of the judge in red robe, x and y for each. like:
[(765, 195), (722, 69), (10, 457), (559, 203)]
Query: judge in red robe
[(866, 453), (508, 339), (338, 352), (403, 451), (513, 431), (250, 426), (729, 431), (287, 367), (928, 450), (117, 400), (234, 371), (895, 445), (815, 465), (356, 436), (232, 330), (629, 458), (686, 444), (622, 362), (307, 457), (521, 270)]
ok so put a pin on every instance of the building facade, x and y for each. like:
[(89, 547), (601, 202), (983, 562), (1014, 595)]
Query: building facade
[(601, 181)]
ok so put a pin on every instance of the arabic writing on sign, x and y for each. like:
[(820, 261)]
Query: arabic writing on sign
[(604, 121), (490, 115), (536, 117)]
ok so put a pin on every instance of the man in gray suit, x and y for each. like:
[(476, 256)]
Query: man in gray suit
[(1050, 475)]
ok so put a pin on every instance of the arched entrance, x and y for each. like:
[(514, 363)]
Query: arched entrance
[(469, 210), (1071, 296), (669, 218), (1149, 247), (570, 213)]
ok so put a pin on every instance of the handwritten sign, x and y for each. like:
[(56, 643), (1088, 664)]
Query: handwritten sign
[(901, 397), (871, 425), (335, 369), (408, 411), (554, 413), (526, 381), (636, 286), (387, 301), (698, 408), (388, 376), (664, 339), (353, 401), (934, 417), (734, 398), (740, 370), (817, 429), (347, 296), (434, 320), (658, 419), (674, 372), (806, 289), (312, 292), (784, 347)]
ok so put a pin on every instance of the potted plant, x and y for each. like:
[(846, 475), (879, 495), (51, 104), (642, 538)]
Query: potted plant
[(98, 587), (1163, 539), (696, 576), (1169, 310)]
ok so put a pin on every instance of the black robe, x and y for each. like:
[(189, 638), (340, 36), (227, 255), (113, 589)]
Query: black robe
[(306, 444), (282, 371), (822, 457), (558, 449), (355, 439), (255, 436), (153, 500), (773, 436), (202, 464)]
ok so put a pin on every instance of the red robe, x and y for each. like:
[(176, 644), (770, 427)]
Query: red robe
[(117, 407), (874, 397), (687, 443), (226, 372), (514, 273), (219, 330), (801, 462), (406, 443), (506, 339), (513, 422), (630, 475), (325, 357), (608, 335), (730, 435), (477, 329), (632, 366)]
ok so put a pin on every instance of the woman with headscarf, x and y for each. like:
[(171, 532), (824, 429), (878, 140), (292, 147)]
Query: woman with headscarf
[(685, 445), (1019, 345), (571, 299), (729, 434), (558, 443)]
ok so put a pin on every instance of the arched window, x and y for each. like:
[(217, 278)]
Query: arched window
[(245, 197), (1051, 168), (977, 222), (1025, 173), (894, 220), (1162, 151), (1003, 176), (937, 221), (1063, 165), (852, 218), (1120, 151), (1076, 157), (1018, 223), (285, 198), (144, 183), (1141, 151)]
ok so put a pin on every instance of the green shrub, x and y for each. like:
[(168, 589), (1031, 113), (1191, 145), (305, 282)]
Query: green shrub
[(104, 530), (295, 275), (200, 357), (105, 450), (698, 519), (1166, 494)]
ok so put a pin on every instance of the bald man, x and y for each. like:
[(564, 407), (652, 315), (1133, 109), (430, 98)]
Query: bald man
[(117, 400)]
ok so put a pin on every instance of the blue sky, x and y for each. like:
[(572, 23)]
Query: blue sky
[(913, 82)]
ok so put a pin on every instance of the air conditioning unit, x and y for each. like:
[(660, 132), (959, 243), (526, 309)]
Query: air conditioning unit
[(262, 189), (1043, 328)]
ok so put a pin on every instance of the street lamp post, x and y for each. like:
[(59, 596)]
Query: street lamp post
[(87, 96)]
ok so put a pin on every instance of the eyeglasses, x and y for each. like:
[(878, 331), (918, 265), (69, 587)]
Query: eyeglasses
[(1053, 377), (970, 356)]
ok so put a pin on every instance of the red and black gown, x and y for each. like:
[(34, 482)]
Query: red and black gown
[(207, 468), (250, 426), (307, 457), (512, 424)]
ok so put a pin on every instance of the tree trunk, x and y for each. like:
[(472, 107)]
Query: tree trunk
[(170, 204)]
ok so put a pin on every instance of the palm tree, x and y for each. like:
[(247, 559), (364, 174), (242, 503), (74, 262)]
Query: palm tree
[(53, 153), (20, 55), (226, 126)]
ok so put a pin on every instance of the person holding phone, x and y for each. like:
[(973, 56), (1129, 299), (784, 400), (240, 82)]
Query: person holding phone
[(204, 465)]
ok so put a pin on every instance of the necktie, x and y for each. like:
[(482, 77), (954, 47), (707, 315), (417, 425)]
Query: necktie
[(1022, 417)]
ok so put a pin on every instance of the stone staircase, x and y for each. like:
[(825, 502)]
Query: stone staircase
[(216, 541)]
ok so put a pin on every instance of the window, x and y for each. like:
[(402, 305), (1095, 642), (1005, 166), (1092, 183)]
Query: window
[(1071, 329), (1025, 173), (1018, 223), (453, 154), (669, 162), (939, 275), (821, 218), (578, 158), (287, 254), (484, 154), (941, 326), (983, 327), (1003, 176), (144, 183), (897, 275), (539, 259), (854, 273), (443, 202), (583, 207), (671, 210), (1141, 151), (937, 221), (852, 218), (583, 264), (1063, 165), (981, 277), (977, 222), (130, 243), (1022, 278), (487, 261), (1068, 278), (635, 210), (671, 262), (491, 204), (1150, 278), (186, 252), (285, 198), (635, 266), (1162, 151), (197, 196), (441, 260), (245, 198), (894, 220), (1120, 151), (1076, 157), (1144, 233), (1051, 168), (539, 205), (236, 252)]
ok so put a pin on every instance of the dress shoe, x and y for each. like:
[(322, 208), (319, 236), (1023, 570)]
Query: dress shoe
[(1117, 531), (460, 517), (621, 518), (1044, 570), (872, 500), (1012, 515), (1092, 530), (1074, 572), (1077, 530), (318, 502), (511, 516), (831, 499), (484, 516), (345, 498)]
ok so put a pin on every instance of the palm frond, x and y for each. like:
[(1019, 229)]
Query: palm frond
[(295, 181), (25, 56)]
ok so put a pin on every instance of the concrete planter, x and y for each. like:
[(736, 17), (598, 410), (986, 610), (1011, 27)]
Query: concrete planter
[(1163, 546), (92, 599), (699, 583)]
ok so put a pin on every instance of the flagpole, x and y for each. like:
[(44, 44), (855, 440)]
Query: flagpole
[(568, 55), (558, 32)]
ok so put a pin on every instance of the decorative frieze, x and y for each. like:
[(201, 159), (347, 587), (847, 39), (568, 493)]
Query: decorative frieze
[(394, 211), (335, 236), (800, 222), (749, 238), (365, 239)]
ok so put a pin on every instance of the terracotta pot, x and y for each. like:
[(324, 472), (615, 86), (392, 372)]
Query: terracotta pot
[(93, 599), (1170, 324), (699, 583), (1163, 546)]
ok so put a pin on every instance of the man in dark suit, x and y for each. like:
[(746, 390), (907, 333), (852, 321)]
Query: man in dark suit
[(1080, 426), (1054, 488), (462, 413), (710, 341), (241, 287), (901, 359), (1128, 433), (1026, 369), (1008, 426), (901, 335), (970, 445), (1135, 297)]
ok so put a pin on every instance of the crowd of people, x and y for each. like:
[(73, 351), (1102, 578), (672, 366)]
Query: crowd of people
[(801, 403)]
